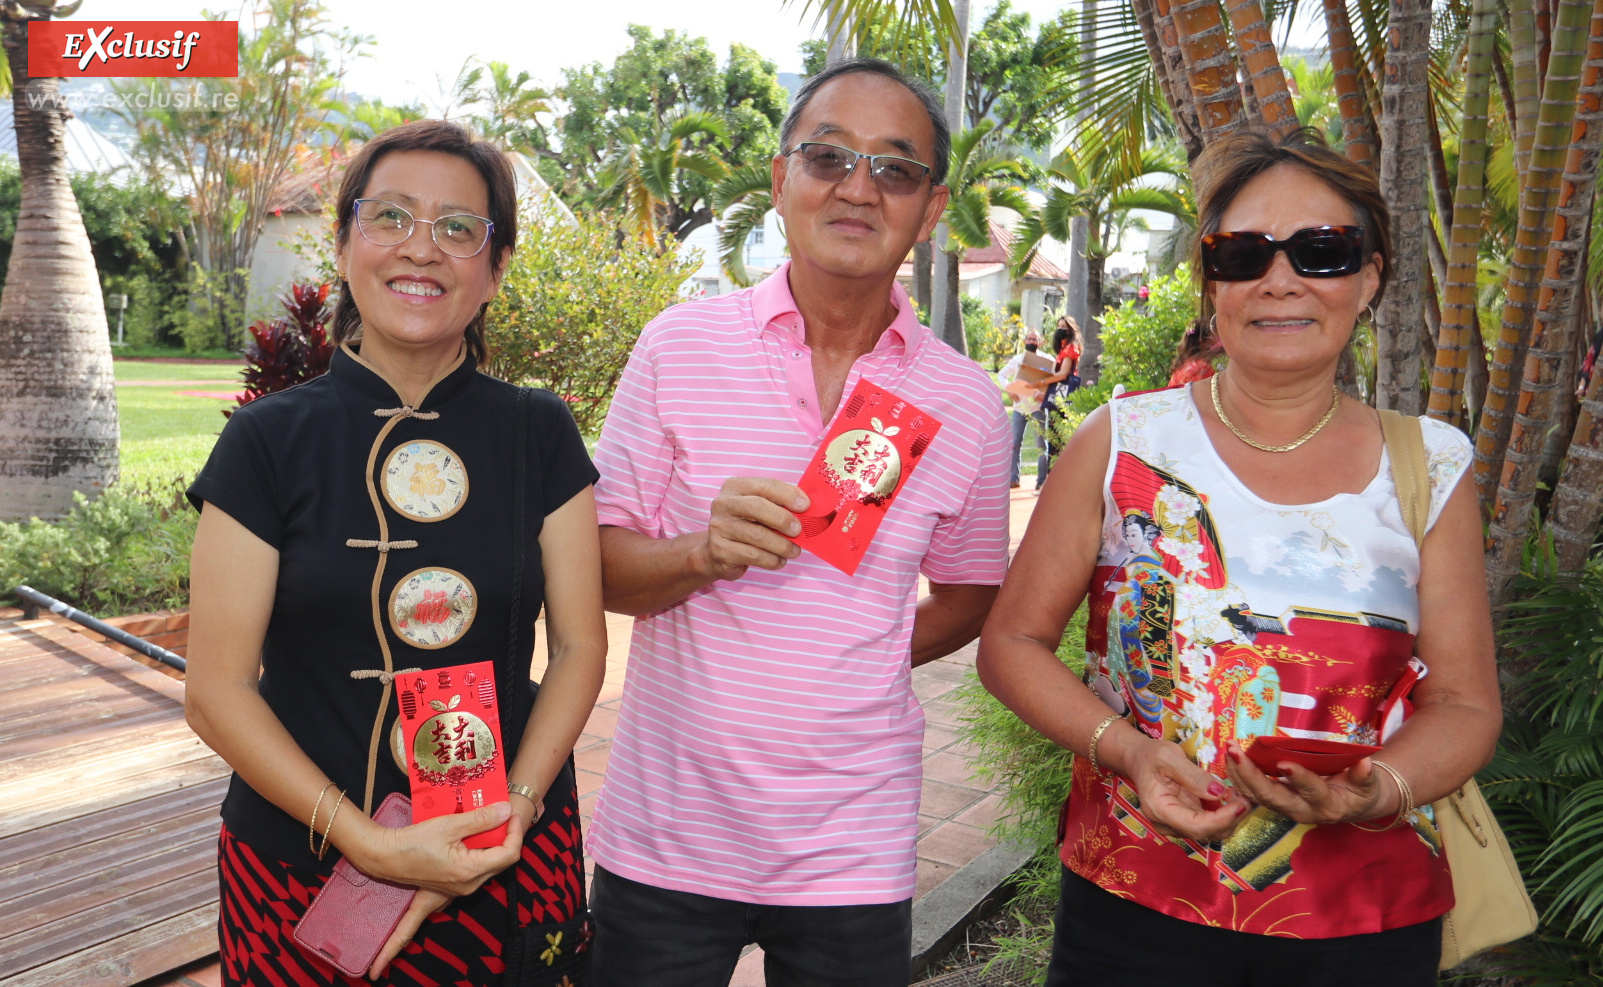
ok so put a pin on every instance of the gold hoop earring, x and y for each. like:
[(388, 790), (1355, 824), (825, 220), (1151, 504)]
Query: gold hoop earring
[(1213, 324), (1368, 315)]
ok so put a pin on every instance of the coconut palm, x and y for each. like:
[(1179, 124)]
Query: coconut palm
[(57, 398), (654, 176), (1096, 182)]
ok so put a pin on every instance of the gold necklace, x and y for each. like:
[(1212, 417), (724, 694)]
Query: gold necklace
[(1218, 409)]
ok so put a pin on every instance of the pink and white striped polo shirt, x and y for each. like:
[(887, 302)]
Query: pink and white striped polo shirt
[(768, 748)]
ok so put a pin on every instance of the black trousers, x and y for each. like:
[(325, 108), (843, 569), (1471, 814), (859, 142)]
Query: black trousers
[(653, 937), (1104, 939)]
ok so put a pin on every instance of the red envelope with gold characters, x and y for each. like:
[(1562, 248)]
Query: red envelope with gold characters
[(450, 736), (875, 444)]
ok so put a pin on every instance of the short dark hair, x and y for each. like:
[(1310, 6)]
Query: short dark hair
[(922, 90), (446, 137), (1225, 168)]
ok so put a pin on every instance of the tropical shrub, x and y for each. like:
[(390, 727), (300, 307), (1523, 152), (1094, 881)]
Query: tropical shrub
[(573, 302), (292, 348), (990, 344), (125, 552), (1036, 774), (1546, 781), (1139, 341)]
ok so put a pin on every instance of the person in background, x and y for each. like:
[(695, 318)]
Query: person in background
[(1022, 414), (1065, 380), (1588, 365), (1193, 358)]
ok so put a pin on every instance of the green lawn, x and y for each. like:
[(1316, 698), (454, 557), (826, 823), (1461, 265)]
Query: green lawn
[(146, 370), (166, 435)]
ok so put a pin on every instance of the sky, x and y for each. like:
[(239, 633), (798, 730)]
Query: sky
[(417, 47)]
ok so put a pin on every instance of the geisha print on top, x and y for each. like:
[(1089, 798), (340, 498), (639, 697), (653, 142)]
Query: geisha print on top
[(1218, 616)]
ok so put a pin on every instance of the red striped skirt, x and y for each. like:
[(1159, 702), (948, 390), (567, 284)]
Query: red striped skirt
[(263, 899)]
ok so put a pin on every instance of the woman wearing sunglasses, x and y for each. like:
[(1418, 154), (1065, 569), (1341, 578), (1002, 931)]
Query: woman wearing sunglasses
[(1276, 597), (364, 528)]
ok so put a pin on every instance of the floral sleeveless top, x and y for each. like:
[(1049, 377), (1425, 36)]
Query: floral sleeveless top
[(1216, 615)]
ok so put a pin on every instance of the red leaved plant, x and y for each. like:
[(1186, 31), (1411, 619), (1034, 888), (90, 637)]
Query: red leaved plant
[(292, 348)]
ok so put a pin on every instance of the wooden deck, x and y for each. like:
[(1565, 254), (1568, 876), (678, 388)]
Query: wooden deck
[(108, 816)]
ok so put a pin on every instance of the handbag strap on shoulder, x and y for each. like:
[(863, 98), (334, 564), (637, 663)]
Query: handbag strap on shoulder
[(1405, 447)]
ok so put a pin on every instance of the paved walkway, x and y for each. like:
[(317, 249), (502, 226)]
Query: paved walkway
[(954, 815)]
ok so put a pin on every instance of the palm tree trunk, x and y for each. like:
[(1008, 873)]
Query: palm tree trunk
[(1556, 120), (1264, 74), (1184, 102), (1464, 234), (1578, 497), (1210, 60), (923, 268), (1552, 339), (1357, 125), (1527, 83), (946, 309), (57, 398), (1403, 160)]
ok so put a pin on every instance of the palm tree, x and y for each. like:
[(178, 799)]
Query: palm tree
[(1100, 184), (652, 175), (981, 177), (508, 102), (57, 398), (742, 201), (1402, 181)]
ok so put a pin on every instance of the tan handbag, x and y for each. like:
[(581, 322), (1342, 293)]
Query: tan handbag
[(1491, 906)]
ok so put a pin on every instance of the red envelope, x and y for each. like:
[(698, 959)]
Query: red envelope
[(1323, 757), (874, 445), (452, 732)]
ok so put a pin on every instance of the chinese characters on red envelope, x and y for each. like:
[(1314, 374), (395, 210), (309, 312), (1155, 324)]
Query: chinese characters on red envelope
[(451, 734), (874, 445)]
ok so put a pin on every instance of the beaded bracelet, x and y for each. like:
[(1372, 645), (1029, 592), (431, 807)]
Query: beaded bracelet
[(1096, 738)]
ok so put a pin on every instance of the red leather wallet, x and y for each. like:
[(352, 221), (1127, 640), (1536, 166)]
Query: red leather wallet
[(352, 917)]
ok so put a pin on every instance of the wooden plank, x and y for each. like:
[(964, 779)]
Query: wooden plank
[(93, 753), (42, 726), (54, 639), (68, 902), (111, 792), (106, 921), (134, 817), (140, 955), (110, 863)]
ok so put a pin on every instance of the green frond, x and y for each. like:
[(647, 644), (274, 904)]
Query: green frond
[(735, 229), (968, 219), (740, 182)]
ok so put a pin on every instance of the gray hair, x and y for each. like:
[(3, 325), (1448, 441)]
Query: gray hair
[(922, 90)]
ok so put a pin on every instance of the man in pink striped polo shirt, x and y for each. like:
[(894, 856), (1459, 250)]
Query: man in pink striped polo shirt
[(764, 781)]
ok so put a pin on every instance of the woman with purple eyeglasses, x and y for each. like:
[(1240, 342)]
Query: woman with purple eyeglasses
[(399, 516), (1276, 599)]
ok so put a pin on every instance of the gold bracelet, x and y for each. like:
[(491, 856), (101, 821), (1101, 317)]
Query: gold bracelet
[(1096, 738), (513, 788), (311, 827), (323, 850), (1404, 792)]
